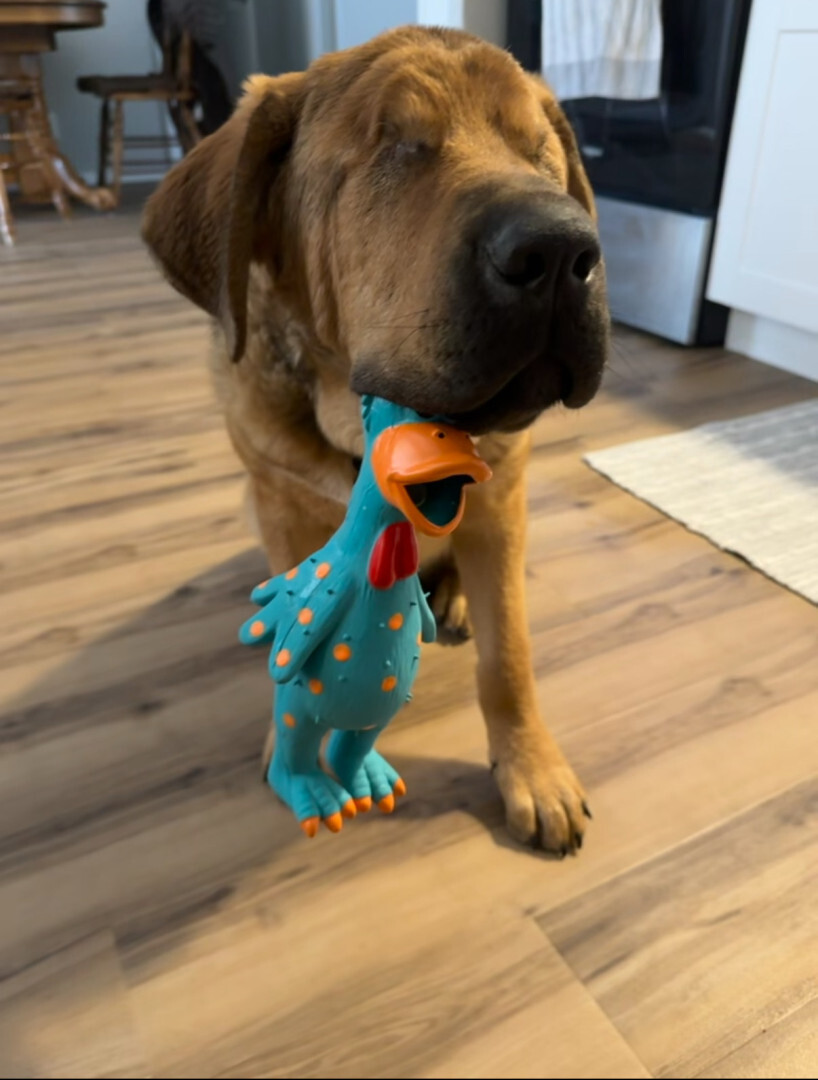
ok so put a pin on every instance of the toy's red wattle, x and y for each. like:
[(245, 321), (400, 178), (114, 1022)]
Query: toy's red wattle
[(394, 557)]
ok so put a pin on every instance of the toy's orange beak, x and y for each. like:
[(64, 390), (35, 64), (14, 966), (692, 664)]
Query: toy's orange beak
[(422, 470)]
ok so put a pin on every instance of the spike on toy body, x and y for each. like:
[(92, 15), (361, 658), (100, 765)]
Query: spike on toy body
[(345, 626)]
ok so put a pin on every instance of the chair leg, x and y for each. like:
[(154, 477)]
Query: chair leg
[(187, 130), (104, 140), (189, 120), (119, 141), (6, 220)]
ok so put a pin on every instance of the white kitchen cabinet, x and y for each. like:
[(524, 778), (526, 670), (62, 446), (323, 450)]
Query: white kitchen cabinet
[(765, 259)]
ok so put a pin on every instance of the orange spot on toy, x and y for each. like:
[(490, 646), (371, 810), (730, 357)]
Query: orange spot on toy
[(420, 639), (283, 658), (342, 652), (264, 584), (389, 683), (322, 570), (291, 573), (310, 826), (400, 786), (288, 719), (316, 686), (396, 622), (334, 822), (257, 628), (387, 804), (305, 616)]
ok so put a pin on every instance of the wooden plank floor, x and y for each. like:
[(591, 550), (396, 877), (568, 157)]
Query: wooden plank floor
[(160, 915)]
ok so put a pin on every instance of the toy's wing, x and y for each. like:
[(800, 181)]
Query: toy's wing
[(269, 589), (296, 623), (271, 596), (428, 623)]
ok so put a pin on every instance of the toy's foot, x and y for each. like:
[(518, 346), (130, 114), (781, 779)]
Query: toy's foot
[(313, 797), (373, 781)]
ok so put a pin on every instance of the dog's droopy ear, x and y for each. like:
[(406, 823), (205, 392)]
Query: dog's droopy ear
[(579, 187), (208, 218)]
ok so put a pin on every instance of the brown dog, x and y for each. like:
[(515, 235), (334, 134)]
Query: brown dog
[(409, 218)]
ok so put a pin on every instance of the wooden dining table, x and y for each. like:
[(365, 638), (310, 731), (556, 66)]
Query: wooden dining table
[(29, 28)]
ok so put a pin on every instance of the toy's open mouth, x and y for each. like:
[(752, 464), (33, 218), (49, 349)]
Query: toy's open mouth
[(439, 500), (423, 469)]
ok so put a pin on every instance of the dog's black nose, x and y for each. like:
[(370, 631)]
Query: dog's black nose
[(538, 247)]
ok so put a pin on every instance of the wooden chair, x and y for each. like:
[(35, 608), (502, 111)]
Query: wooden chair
[(172, 85), (20, 143)]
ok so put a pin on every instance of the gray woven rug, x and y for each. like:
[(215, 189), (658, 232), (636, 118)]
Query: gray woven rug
[(750, 486)]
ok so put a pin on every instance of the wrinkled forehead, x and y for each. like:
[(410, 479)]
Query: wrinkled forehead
[(429, 94)]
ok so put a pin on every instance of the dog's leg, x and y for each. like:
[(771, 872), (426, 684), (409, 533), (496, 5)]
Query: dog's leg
[(440, 578), (288, 525), (545, 804)]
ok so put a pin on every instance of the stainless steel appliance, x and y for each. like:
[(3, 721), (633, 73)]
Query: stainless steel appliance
[(656, 166)]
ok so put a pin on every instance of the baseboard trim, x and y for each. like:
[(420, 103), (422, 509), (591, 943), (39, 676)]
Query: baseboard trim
[(774, 343)]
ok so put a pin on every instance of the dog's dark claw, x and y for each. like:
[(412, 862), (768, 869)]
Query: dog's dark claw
[(563, 851), (586, 811), (493, 767), (577, 840)]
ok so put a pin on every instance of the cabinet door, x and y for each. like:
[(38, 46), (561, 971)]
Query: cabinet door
[(765, 259)]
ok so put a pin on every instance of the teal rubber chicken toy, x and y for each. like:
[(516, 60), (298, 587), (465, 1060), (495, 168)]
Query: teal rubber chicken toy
[(345, 626)]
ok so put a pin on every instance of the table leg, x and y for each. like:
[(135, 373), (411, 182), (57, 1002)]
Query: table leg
[(99, 198)]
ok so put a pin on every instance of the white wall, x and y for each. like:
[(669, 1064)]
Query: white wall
[(291, 33), (123, 45), (486, 18), (357, 21)]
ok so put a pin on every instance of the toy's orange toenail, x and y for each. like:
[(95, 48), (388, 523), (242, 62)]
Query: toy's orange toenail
[(257, 628), (400, 787), (283, 658), (364, 805), (349, 810), (420, 639), (264, 584), (288, 719), (310, 826), (316, 686), (291, 573), (342, 652), (396, 622), (322, 569), (334, 822), (305, 616), (387, 803), (389, 683)]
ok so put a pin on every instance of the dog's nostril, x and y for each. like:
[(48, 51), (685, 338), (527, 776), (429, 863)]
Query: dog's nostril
[(535, 267), (519, 266), (584, 264)]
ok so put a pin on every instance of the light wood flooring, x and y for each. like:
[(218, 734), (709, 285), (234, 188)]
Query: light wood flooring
[(161, 915)]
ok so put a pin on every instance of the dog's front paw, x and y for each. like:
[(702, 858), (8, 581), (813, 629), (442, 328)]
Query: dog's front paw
[(545, 804), (447, 601)]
